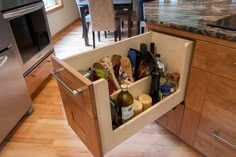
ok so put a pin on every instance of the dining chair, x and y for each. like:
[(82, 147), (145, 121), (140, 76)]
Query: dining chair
[(103, 18), (141, 23)]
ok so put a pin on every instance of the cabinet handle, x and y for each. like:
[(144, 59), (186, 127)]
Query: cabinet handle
[(75, 92), (234, 63), (3, 60), (217, 136)]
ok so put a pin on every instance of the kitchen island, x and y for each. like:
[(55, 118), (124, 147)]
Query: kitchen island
[(209, 117), (192, 16)]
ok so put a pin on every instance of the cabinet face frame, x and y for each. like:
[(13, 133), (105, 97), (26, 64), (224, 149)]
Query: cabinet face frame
[(178, 56)]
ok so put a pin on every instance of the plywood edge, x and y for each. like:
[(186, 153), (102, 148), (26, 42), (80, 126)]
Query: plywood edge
[(101, 93), (83, 61), (186, 67)]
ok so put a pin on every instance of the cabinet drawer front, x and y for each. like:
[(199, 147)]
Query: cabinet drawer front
[(78, 100), (214, 140), (214, 58), (72, 82), (220, 102), (35, 78)]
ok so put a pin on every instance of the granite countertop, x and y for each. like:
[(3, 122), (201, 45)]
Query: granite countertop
[(192, 16)]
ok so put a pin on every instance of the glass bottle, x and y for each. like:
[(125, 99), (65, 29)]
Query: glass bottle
[(125, 102), (155, 85), (115, 114), (161, 65), (152, 48)]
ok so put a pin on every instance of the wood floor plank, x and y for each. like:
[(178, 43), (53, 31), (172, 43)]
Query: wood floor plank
[(46, 133)]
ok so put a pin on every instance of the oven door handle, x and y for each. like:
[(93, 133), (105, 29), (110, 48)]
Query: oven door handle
[(23, 11)]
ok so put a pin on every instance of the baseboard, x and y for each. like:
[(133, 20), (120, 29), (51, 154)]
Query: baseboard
[(59, 34)]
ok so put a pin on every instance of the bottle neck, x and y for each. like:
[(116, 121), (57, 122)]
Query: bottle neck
[(124, 88)]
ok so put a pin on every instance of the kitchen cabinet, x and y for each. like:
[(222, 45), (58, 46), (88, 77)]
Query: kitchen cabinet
[(210, 104), (216, 132), (211, 95), (36, 77), (87, 105)]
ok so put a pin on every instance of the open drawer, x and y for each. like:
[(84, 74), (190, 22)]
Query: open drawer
[(87, 104)]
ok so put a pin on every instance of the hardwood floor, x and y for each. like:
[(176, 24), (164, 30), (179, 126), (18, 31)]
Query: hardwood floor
[(70, 42), (46, 133)]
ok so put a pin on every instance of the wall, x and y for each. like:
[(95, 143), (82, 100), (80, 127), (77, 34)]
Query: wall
[(61, 18)]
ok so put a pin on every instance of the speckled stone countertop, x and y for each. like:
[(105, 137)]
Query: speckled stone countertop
[(192, 16)]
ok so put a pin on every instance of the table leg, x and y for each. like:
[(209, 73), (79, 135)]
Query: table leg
[(129, 20)]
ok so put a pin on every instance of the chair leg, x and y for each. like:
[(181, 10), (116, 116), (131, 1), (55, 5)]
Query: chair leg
[(93, 39), (115, 35), (99, 36), (119, 31), (105, 34)]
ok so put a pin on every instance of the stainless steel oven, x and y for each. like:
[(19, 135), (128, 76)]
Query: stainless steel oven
[(29, 25)]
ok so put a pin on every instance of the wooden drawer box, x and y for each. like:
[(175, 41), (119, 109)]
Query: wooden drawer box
[(216, 59), (214, 140), (35, 78), (88, 113)]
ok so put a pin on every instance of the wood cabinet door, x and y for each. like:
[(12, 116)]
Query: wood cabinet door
[(196, 89), (78, 100), (172, 120), (189, 126)]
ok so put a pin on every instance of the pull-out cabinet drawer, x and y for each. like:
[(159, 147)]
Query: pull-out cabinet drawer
[(87, 104)]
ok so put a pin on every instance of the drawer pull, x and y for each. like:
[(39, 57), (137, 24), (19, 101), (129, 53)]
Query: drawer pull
[(216, 135), (234, 63), (72, 91)]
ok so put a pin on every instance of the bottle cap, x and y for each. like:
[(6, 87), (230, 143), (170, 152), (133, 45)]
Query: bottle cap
[(124, 87), (165, 89)]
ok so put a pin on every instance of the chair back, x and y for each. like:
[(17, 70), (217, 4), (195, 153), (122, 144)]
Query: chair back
[(102, 15)]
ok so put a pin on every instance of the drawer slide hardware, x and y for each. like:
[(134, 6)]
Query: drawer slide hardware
[(216, 135), (75, 92)]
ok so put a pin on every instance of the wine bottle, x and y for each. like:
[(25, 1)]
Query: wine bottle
[(125, 102), (152, 48), (115, 114), (155, 85)]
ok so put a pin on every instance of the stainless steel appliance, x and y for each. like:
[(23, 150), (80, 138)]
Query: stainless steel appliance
[(14, 97), (28, 22)]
